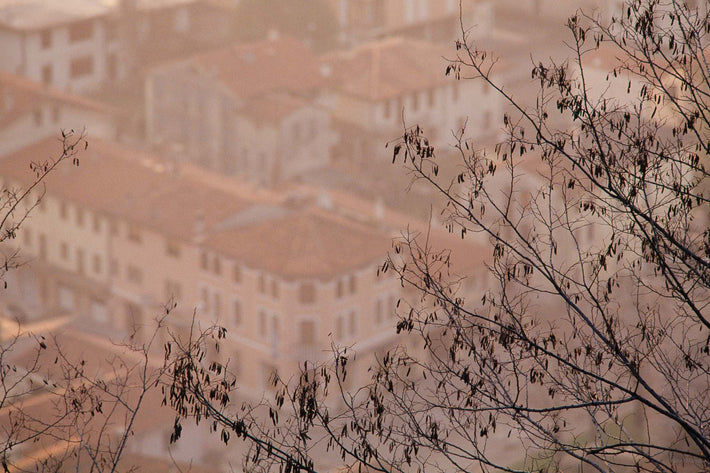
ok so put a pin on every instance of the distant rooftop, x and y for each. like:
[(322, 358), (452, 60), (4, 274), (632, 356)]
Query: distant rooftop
[(387, 68), (250, 70), (39, 14)]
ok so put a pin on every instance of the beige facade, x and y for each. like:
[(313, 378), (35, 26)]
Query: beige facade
[(285, 278)]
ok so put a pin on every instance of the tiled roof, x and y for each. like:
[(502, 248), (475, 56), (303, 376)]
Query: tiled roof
[(388, 68), (249, 70), (271, 108), (308, 243), (134, 185), (20, 95), (293, 241)]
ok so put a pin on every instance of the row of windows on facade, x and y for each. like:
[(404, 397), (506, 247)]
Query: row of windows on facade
[(79, 31), (345, 324), (133, 232), (85, 30), (82, 67), (307, 291), (179, 102), (418, 98)]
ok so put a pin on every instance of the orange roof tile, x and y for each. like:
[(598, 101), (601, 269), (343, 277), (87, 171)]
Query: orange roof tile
[(248, 70), (131, 184), (304, 244), (388, 68), (20, 95)]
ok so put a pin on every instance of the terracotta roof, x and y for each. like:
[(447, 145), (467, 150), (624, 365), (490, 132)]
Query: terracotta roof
[(253, 69), (131, 184), (20, 95), (388, 68), (308, 243), (271, 108), (259, 229)]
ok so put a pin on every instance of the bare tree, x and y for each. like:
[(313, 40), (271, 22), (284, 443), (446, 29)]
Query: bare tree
[(589, 349), (16, 204), (62, 409)]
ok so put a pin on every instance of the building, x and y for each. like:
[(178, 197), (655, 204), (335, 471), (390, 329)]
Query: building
[(80, 45), (124, 233), (31, 111), (380, 87), (435, 20), (247, 110)]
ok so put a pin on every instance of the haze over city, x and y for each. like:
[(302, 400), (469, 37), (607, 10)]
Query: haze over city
[(354, 235)]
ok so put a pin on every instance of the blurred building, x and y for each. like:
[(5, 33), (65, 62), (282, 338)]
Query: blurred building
[(433, 20), (248, 110), (31, 111), (81, 45), (380, 87), (118, 237)]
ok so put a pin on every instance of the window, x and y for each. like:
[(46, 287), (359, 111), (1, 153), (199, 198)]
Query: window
[(216, 305), (237, 311), (81, 67), (79, 217), (80, 261), (63, 210), (134, 233), (45, 39), (172, 248), (352, 284), (64, 251), (114, 227), (216, 265), (352, 324), (47, 74), (134, 274), (205, 299), (81, 31), (97, 266), (387, 109), (235, 363), (262, 323), (431, 97), (307, 332), (111, 28), (55, 113), (204, 261), (379, 314), (37, 116), (415, 101), (274, 289), (42, 246), (96, 223), (237, 274), (27, 234), (339, 289), (262, 284), (112, 67), (339, 331), (307, 293)]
